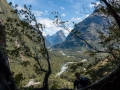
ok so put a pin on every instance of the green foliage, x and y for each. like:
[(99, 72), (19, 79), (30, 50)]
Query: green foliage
[(54, 86), (18, 78), (25, 63)]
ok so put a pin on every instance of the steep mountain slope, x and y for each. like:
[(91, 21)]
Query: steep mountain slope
[(56, 38), (88, 30), (6, 11), (19, 46)]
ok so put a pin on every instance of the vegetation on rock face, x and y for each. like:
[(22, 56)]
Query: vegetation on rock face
[(20, 36)]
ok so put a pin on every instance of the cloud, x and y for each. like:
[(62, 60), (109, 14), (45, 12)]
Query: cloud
[(97, 3), (50, 28), (76, 20), (44, 34), (62, 8), (63, 15), (20, 7), (87, 15), (37, 13), (66, 32), (92, 5)]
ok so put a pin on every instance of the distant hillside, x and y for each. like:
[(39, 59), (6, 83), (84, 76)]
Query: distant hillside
[(56, 38), (88, 30)]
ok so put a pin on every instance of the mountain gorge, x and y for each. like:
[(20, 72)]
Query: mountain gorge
[(88, 29)]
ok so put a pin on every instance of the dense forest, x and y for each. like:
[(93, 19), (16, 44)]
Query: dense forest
[(25, 58)]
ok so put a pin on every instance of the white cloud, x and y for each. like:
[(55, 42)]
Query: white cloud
[(63, 15), (44, 34), (76, 20), (37, 13), (97, 3), (50, 28), (87, 15), (92, 5), (19, 7), (66, 32), (62, 8)]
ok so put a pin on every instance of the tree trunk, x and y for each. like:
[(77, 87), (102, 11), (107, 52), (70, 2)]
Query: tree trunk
[(48, 72)]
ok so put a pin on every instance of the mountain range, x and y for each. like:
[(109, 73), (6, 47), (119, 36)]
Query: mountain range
[(56, 38), (87, 30)]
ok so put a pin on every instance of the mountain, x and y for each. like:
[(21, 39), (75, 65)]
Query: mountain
[(19, 46), (88, 29), (56, 38), (5, 11)]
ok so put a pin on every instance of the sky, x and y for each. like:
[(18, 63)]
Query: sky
[(69, 10)]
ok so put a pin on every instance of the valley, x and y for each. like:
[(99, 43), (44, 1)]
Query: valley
[(62, 63)]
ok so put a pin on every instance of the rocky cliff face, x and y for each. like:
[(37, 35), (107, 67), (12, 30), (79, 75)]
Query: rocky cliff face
[(56, 38)]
